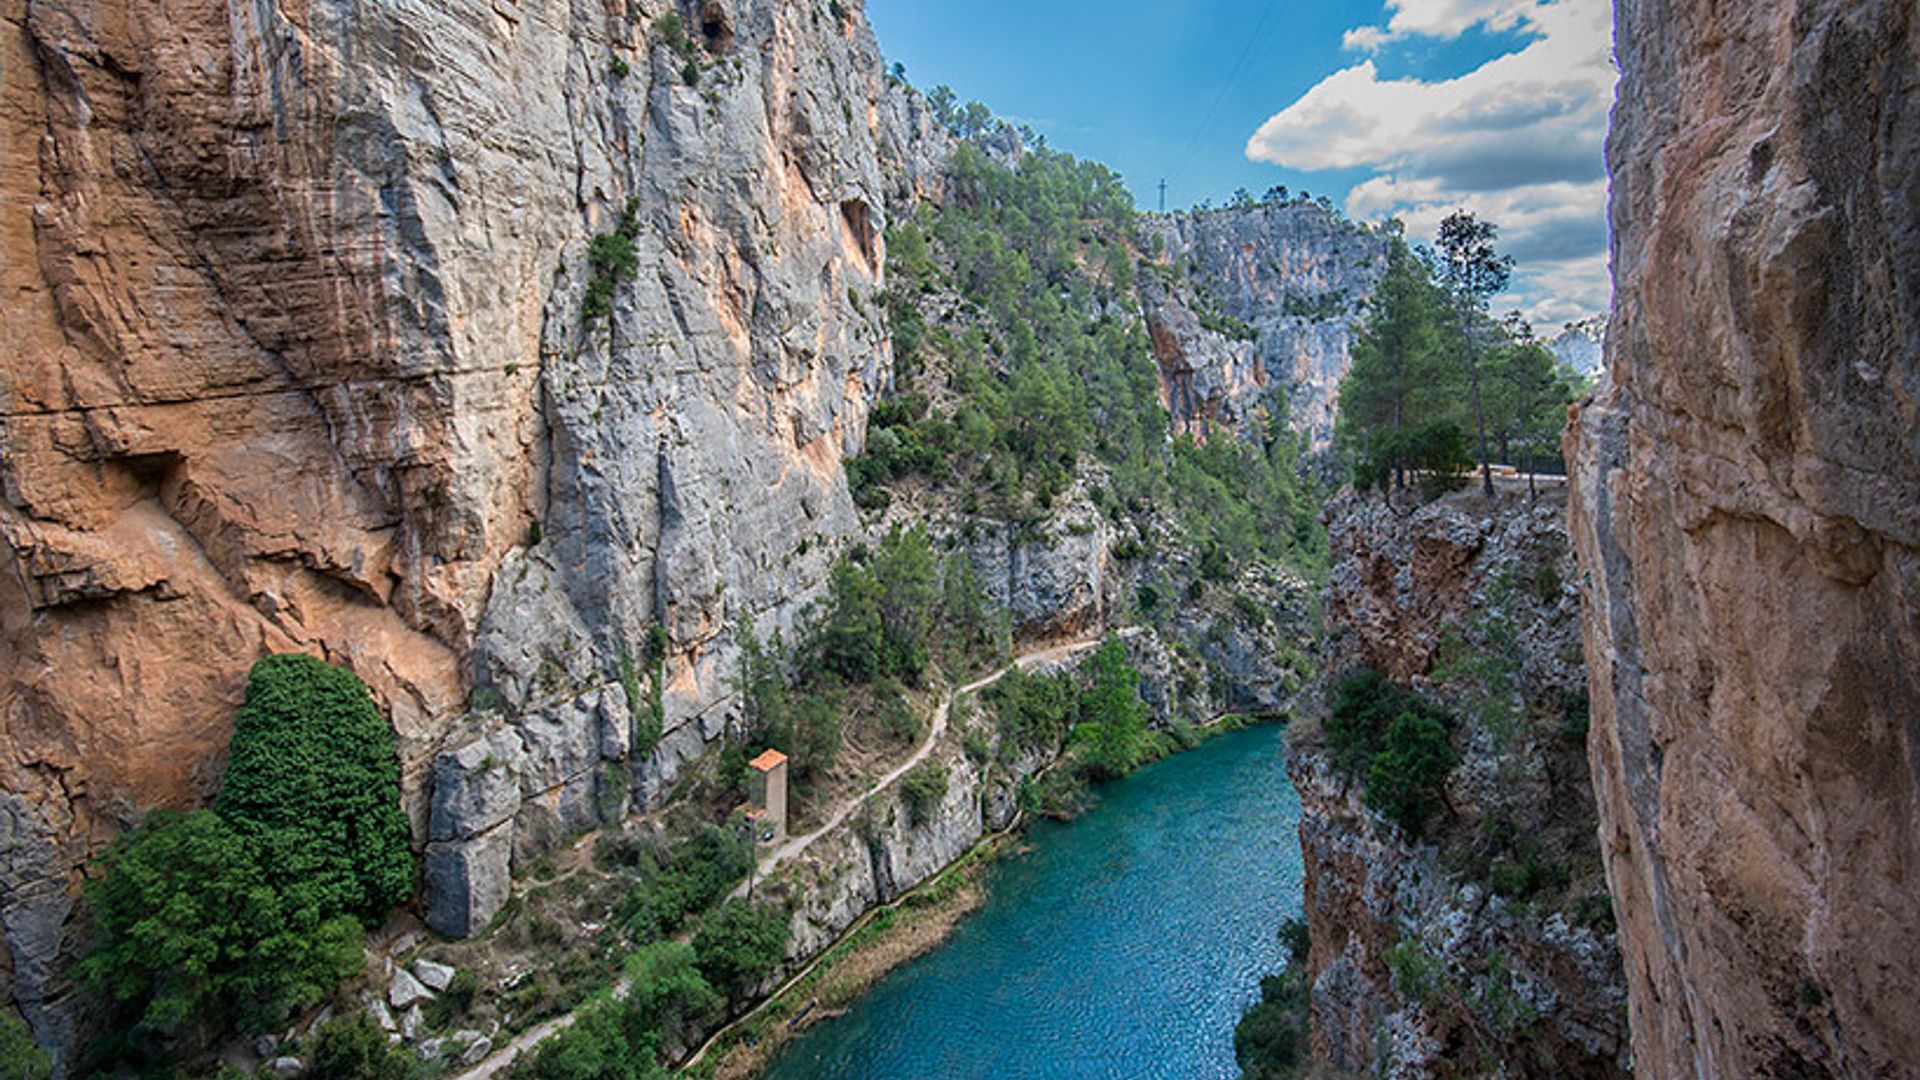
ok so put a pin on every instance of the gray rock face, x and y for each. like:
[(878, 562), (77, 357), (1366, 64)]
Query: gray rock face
[(34, 906), (1294, 275), (405, 991), (1053, 581), (1474, 603), (468, 881)]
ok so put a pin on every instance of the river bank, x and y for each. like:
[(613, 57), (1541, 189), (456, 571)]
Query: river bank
[(1106, 916)]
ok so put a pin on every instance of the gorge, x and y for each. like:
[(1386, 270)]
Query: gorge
[(619, 390)]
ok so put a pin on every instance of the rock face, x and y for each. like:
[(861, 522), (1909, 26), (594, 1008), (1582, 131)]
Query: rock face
[(1581, 345), (1256, 301), (1747, 513), (1487, 939), (297, 360)]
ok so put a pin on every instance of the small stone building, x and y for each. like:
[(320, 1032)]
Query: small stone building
[(767, 792)]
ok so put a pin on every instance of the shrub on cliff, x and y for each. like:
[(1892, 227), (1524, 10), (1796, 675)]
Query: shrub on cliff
[(1115, 719), (1394, 740), (244, 912), (1271, 1038), (922, 789), (1404, 780), (355, 1049), (313, 782)]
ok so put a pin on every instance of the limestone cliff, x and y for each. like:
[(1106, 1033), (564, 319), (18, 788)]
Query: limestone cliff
[(1747, 514), (1482, 946), (297, 360), (1252, 302)]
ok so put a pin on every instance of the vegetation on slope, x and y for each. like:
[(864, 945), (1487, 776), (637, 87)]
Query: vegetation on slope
[(236, 916), (1017, 361)]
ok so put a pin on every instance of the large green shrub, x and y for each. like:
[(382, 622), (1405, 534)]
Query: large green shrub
[(922, 789), (1404, 780), (190, 929), (1115, 718), (313, 782), (699, 872), (1271, 1039), (1396, 741)]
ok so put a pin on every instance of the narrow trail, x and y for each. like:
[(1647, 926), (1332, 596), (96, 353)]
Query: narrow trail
[(500, 1059)]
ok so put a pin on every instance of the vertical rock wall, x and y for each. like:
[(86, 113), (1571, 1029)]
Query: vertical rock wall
[(1481, 947), (1747, 514), (1295, 277), (296, 360)]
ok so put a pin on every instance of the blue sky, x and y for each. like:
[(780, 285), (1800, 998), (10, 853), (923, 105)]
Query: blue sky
[(1407, 108)]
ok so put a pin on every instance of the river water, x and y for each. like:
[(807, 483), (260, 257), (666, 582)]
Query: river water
[(1123, 944)]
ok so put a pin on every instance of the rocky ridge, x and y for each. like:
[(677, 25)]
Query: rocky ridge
[(1482, 948), (1746, 492), (1249, 303)]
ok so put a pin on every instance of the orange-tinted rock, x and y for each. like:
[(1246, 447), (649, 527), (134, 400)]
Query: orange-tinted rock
[(1747, 513)]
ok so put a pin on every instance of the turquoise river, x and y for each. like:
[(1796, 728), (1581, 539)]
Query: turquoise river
[(1123, 944)]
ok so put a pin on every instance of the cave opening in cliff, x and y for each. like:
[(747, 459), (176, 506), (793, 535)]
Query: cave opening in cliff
[(715, 28), (859, 222)]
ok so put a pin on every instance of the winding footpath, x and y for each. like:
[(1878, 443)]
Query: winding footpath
[(501, 1059)]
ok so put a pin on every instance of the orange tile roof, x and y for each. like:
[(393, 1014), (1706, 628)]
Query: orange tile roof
[(765, 762)]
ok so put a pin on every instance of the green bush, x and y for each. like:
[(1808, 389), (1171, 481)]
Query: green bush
[(1396, 741), (739, 945), (612, 259), (697, 874), (20, 1057), (190, 930), (356, 1049), (1033, 711), (1297, 936), (1404, 780), (1113, 716), (313, 782), (669, 995), (599, 1046), (922, 789)]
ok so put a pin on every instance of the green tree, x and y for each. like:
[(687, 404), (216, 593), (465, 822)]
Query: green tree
[(668, 994), (922, 789), (739, 946), (313, 782), (853, 638), (1473, 272), (909, 596), (1398, 380), (190, 930), (1115, 717)]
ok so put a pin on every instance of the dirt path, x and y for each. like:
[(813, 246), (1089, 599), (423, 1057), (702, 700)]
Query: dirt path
[(1025, 662), (497, 1062)]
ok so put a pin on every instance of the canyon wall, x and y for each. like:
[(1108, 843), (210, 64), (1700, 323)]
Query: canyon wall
[(1483, 945), (297, 360), (1747, 514), (1249, 303)]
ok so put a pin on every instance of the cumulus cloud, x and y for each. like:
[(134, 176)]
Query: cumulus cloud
[(1518, 140)]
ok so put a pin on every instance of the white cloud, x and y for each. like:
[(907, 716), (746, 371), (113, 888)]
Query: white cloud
[(1518, 140)]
